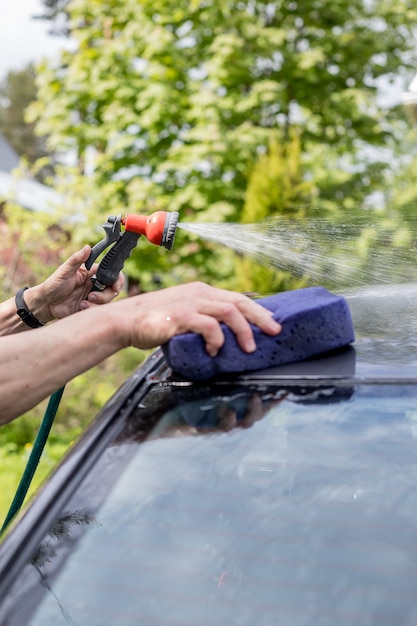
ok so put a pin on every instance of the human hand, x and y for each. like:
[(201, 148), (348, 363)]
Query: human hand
[(215, 413), (68, 289), (151, 319), (255, 409)]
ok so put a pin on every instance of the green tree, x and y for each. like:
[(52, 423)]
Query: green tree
[(277, 188), (17, 91), (55, 11), (169, 105)]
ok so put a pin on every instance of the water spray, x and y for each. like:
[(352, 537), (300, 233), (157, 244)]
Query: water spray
[(363, 251)]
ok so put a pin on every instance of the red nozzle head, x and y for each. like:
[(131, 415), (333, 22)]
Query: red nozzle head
[(159, 228)]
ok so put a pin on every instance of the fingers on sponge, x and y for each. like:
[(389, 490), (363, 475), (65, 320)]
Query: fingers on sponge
[(313, 321)]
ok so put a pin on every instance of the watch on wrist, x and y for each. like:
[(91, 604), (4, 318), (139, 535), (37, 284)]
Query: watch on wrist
[(23, 312)]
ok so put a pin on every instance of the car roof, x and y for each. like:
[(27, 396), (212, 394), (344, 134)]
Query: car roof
[(289, 491), (385, 346)]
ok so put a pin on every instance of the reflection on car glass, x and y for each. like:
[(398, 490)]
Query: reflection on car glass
[(238, 408), (315, 503)]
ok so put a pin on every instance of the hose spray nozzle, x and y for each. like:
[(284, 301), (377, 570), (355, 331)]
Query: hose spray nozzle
[(159, 228)]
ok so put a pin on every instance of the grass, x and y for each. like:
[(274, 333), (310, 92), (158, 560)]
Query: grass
[(13, 463)]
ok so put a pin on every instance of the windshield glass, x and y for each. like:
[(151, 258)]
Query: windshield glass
[(249, 507)]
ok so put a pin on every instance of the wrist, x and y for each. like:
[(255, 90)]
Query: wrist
[(36, 303)]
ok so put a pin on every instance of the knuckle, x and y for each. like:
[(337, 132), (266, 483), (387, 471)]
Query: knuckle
[(228, 310), (242, 300), (212, 325), (198, 287)]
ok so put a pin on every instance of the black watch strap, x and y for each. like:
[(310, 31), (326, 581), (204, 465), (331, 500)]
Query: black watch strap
[(23, 312)]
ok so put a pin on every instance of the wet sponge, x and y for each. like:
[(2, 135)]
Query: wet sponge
[(313, 321)]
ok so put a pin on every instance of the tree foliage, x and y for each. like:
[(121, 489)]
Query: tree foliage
[(17, 91), (55, 11), (169, 105)]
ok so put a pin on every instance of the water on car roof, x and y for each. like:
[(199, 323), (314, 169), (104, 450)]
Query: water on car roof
[(385, 321)]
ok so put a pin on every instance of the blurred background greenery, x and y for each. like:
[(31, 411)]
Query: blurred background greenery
[(225, 111)]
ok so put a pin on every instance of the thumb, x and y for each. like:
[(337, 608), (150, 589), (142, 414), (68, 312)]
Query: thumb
[(73, 263), (77, 259)]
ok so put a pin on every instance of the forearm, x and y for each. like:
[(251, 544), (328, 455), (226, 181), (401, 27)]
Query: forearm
[(37, 363), (10, 322)]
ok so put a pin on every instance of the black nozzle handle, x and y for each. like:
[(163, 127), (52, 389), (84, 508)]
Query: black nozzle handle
[(112, 264), (111, 234)]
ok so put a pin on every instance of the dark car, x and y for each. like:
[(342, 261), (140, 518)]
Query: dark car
[(285, 496)]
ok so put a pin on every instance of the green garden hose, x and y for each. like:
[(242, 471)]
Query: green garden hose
[(34, 458)]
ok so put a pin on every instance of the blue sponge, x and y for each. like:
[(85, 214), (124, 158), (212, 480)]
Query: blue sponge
[(313, 321)]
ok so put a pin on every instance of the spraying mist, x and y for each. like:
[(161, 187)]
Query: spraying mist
[(336, 255)]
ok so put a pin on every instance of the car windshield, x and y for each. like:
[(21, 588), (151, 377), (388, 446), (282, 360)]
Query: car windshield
[(261, 505)]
